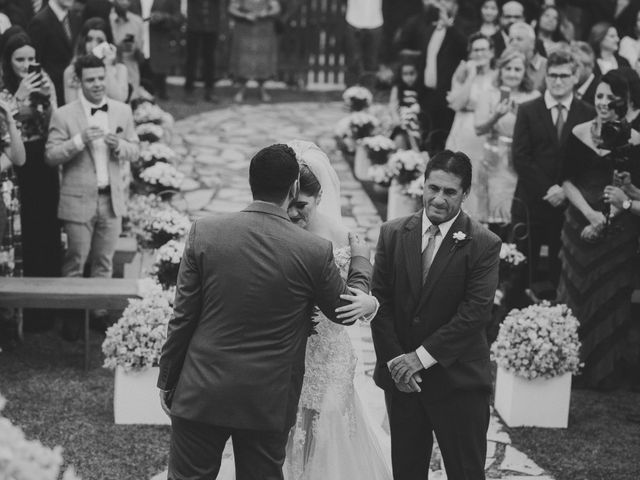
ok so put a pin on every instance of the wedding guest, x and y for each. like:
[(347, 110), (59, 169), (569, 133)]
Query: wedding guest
[(586, 86), (95, 38), (630, 45), (598, 245), (495, 117), (5, 22), (91, 138), (21, 12), (32, 98), (540, 134), (363, 35), (254, 44), (604, 41), (128, 35), (633, 113), (472, 80), (522, 37), (512, 12), (490, 17), (548, 30)]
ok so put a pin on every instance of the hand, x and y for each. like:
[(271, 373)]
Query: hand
[(403, 368), (6, 108), (614, 196), (361, 304), (596, 219), (92, 133), (252, 17), (555, 196), (412, 386), (502, 109), (623, 180), (359, 248), (29, 84), (112, 140), (166, 396)]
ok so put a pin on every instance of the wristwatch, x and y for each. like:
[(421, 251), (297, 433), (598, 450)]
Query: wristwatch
[(626, 205)]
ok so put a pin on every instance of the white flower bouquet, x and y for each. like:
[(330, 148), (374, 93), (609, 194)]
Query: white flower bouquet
[(510, 256), (166, 263), (167, 224), (380, 175), (152, 153), (540, 341), (406, 165), (22, 459), (140, 208), (362, 125), (135, 341), (378, 148), (415, 189), (147, 112), (357, 98), (149, 132), (162, 176)]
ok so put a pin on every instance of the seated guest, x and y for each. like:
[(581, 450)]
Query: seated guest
[(587, 82), (95, 38), (540, 133), (92, 139), (522, 37), (604, 41)]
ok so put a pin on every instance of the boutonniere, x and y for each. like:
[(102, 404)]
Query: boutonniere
[(460, 239)]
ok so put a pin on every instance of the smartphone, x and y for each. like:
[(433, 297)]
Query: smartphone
[(34, 67), (505, 94)]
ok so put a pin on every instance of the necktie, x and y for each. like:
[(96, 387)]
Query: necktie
[(37, 5), (427, 254), (104, 108), (67, 26), (560, 120)]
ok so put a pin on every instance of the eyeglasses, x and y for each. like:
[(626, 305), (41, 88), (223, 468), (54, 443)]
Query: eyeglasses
[(558, 76)]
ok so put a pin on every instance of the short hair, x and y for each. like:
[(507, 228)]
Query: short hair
[(620, 88), (525, 27), (584, 51), (562, 57), (633, 79), (86, 61), (455, 163), (309, 183), (597, 34), (272, 172), (509, 54), (478, 36)]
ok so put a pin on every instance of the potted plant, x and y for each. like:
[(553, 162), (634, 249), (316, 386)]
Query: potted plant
[(357, 98), (167, 224), (160, 177), (132, 348), (166, 264), (405, 167), (537, 351), (152, 153), (373, 150)]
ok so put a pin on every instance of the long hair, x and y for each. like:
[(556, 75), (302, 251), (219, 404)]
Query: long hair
[(507, 56), (597, 34), (10, 79), (94, 23), (556, 35)]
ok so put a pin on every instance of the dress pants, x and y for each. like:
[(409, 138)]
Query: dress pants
[(205, 42), (362, 52), (459, 421), (196, 451)]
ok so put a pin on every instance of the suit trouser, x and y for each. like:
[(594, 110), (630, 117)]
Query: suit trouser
[(363, 50), (459, 421), (206, 43), (94, 240), (196, 451)]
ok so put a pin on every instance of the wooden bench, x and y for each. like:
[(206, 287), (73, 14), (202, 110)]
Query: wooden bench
[(126, 250), (68, 293)]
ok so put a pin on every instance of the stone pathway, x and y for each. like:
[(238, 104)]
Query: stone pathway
[(217, 147)]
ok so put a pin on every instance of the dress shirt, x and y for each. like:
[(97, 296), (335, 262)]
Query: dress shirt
[(552, 103), (431, 65), (425, 357), (145, 9), (99, 148), (580, 91), (364, 13)]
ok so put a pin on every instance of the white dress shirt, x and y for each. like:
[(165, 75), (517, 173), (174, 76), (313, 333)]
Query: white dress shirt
[(364, 13), (145, 9), (431, 65), (99, 148), (552, 103)]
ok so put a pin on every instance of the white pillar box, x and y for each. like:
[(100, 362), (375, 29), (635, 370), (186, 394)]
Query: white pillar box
[(136, 399)]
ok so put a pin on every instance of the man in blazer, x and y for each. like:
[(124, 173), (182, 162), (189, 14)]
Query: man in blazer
[(93, 139), (539, 137), (233, 362), (435, 277), (53, 31)]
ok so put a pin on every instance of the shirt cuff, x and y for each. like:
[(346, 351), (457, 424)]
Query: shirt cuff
[(77, 140), (368, 318), (425, 357), (393, 360)]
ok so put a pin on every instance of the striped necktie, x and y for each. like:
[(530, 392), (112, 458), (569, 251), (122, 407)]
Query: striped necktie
[(427, 254), (67, 26)]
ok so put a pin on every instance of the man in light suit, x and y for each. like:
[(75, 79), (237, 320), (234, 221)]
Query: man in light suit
[(233, 362), (92, 138), (435, 277)]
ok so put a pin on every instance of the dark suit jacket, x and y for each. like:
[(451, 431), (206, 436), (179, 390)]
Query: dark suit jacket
[(589, 95), (448, 315), (247, 285), (53, 48), (537, 154)]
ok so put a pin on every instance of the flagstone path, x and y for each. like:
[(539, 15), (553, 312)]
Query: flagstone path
[(217, 147)]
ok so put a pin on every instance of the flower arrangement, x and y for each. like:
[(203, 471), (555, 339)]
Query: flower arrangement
[(152, 153), (378, 148), (140, 208), (357, 98), (167, 262), (362, 124), (415, 189), (22, 459), (380, 175), (162, 176), (148, 112), (540, 341), (167, 224), (406, 166), (135, 341), (149, 132), (510, 256), (386, 118)]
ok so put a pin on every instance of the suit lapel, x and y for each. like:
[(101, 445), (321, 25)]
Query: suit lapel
[(412, 245), (545, 114)]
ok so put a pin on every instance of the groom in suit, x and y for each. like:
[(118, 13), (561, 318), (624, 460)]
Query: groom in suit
[(233, 362), (435, 277)]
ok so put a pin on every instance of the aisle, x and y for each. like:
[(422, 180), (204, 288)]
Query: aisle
[(218, 146)]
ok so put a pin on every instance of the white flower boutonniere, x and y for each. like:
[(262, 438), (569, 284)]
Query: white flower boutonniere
[(460, 239)]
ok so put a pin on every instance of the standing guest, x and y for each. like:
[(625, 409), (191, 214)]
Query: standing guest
[(363, 36), (586, 86), (21, 12), (633, 113), (630, 45), (598, 271), (442, 47), (91, 138), (203, 24), (604, 41), (548, 29), (512, 12), (53, 31), (472, 80), (539, 137), (495, 118), (522, 37), (254, 44), (490, 17), (435, 277), (128, 35), (32, 98), (95, 38)]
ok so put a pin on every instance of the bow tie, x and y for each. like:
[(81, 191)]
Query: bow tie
[(104, 108)]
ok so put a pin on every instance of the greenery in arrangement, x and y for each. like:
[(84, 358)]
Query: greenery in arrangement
[(167, 261), (167, 224), (362, 124), (539, 341), (378, 148), (357, 98), (149, 132)]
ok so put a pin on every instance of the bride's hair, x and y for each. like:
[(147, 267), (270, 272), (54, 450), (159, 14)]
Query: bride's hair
[(309, 183)]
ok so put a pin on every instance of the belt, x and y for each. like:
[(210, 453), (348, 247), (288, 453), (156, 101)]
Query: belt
[(104, 190)]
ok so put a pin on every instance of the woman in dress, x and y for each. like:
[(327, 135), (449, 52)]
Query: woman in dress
[(470, 82), (95, 37), (254, 44), (495, 117), (31, 98), (490, 14), (598, 244), (605, 41)]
